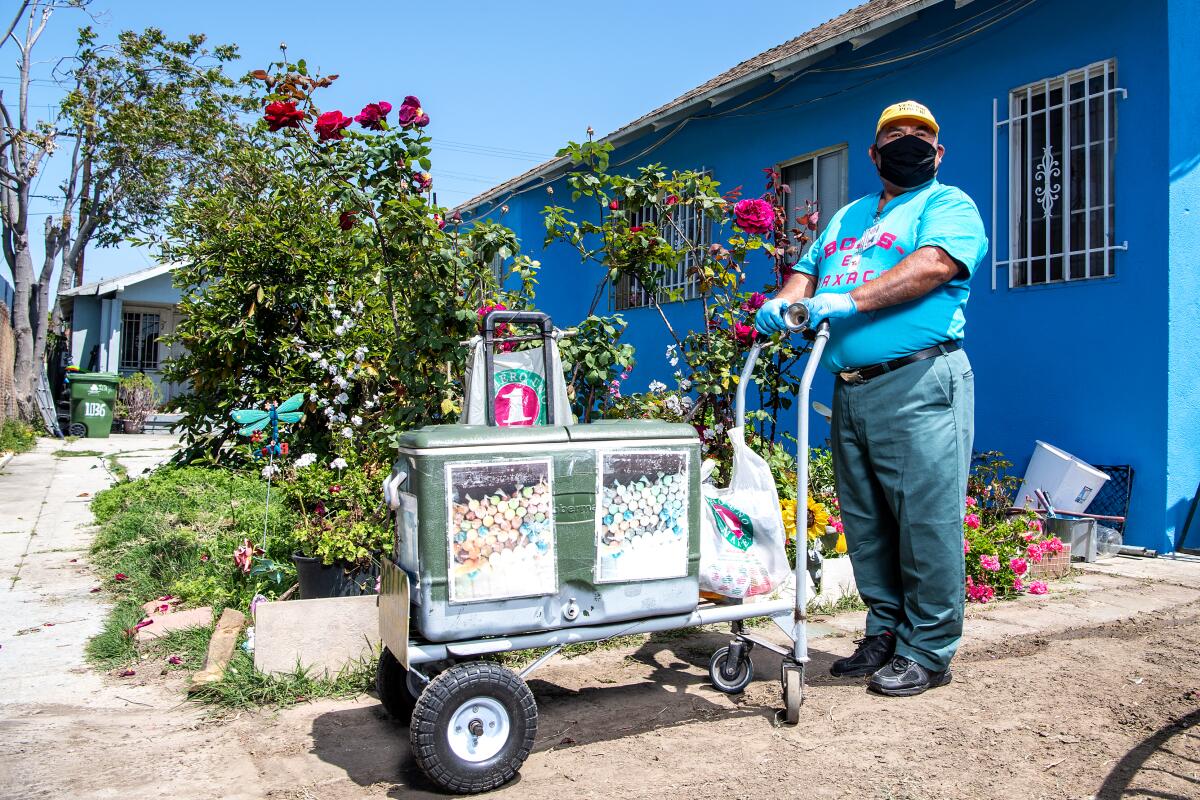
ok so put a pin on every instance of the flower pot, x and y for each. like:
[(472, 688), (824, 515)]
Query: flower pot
[(133, 426), (340, 579)]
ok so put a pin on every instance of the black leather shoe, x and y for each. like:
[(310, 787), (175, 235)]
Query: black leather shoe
[(872, 653), (905, 678)]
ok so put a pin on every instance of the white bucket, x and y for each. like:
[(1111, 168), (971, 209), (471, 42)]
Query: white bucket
[(1070, 483)]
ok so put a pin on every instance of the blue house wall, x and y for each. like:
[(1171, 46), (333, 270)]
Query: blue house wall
[(1083, 365)]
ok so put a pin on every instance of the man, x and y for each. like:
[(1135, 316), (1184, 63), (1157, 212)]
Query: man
[(891, 274)]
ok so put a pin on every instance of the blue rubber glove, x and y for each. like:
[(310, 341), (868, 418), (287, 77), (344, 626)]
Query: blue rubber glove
[(829, 305), (769, 318)]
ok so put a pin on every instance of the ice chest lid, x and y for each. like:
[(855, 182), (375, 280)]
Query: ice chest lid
[(631, 430), (432, 437)]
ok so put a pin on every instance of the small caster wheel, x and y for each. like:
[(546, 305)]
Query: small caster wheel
[(793, 694), (77, 429), (742, 677), (395, 686), (473, 727)]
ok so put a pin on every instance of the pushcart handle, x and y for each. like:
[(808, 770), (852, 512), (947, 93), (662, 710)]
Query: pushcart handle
[(800, 629), (490, 321)]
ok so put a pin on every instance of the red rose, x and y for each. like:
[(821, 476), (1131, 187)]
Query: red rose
[(120, 577), (347, 220), (754, 215), (411, 113), (635, 229), (281, 114), (672, 199), (374, 115), (614, 205), (330, 125), (744, 334), (755, 302)]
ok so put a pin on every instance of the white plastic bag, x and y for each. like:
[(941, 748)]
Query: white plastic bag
[(520, 381), (742, 536)]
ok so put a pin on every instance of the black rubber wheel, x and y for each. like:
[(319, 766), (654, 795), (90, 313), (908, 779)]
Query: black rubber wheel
[(392, 683), (473, 727), (77, 429), (745, 672)]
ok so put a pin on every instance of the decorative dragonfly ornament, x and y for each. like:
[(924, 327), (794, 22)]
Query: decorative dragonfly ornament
[(253, 421)]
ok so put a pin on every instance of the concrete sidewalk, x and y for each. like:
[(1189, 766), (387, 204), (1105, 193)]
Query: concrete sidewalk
[(47, 609)]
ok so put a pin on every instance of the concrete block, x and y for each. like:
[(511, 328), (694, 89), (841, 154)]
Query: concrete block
[(324, 634), (175, 621)]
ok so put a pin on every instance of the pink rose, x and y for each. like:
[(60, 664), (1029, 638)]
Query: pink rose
[(1034, 553), (411, 113), (330, 125), (754, 215), (972, 502), (971, 521), (672, 199), (744, 334), (1018, 586), (423, 180), (1037, 587), (990, 563), (755, 302), (282, 114), (1052, 545), (1035, 525), (374, 115), (1019, 565), (966, 547)]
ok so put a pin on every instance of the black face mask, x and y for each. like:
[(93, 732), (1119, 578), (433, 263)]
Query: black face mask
[(907, 162)]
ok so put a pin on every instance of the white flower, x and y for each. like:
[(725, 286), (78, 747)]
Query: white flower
[(341, 382), (322, 402), (349, 324), (369, 404), (306, 460), (339, 417), (313, 396), (685, 384), (341, 355), (358, 307), (332, 369), (335, 313), (673, 405), (657, 387), (672, 355), (342, 399), (688, 402), (360, 353), (719, 428), (323, 363), (339, 462), (708, 434), (314, 355), (329, 412), (340, 330), (348, 433), (269, 471), (356, 420)]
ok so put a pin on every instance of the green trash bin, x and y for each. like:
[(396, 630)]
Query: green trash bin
[(93, 395)]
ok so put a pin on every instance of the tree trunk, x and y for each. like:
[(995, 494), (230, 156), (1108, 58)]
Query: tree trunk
[(24, 368)]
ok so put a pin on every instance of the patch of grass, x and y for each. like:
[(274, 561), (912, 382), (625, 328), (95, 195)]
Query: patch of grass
[(244, 687), (116, 468), (17, 436), (76, 453), (846, 603), (113, 647), (189, 644)]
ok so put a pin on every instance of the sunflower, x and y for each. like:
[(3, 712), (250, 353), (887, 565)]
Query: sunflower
[(818, 518), (788, 509)]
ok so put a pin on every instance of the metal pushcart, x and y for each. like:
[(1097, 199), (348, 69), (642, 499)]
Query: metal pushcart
[(472, 722)]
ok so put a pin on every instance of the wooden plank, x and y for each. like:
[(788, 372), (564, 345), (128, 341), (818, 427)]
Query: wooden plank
[(220, 648)]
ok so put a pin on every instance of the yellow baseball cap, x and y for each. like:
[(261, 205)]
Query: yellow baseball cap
[(907, 109)]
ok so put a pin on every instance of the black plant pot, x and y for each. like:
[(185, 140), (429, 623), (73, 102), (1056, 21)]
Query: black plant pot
[(339, 579)]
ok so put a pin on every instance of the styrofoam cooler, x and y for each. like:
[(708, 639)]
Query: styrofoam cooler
[(1070, 483)]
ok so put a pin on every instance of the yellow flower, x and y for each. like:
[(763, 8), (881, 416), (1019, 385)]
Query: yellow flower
[(788, 509), (818, 518), (840, 547)]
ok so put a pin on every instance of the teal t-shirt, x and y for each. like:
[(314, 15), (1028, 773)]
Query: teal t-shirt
[(856, 247)]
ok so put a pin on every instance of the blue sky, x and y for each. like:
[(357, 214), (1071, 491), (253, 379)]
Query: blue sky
[(505, 83)]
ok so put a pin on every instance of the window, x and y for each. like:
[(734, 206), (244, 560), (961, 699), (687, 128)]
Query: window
[(819, 177), (687, 224), (498, 269), (1062, 147), (139, 341)]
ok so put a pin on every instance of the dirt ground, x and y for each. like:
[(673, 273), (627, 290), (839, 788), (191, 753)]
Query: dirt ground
[(1108, 709)]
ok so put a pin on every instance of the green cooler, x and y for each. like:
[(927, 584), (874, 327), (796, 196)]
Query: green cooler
[(511, 530), (93, 395)]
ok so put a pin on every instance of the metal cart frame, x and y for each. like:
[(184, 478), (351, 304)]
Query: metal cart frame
[(409, 667)]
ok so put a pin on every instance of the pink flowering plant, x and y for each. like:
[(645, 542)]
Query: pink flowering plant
[(1000, 553)]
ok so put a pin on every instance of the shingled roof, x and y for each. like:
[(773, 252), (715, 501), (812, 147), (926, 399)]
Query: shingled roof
[(858, 25)]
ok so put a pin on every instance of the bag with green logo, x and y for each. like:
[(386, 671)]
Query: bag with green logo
[(742, 536)]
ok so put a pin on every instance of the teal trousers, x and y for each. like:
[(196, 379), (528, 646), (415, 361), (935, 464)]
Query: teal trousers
[(901, 451)]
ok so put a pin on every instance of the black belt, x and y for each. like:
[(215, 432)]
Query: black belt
[(864, 374)]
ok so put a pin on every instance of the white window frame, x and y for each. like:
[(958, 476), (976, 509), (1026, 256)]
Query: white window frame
[(140, 365), (628, 293), (1046, 183), (843, 187)]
